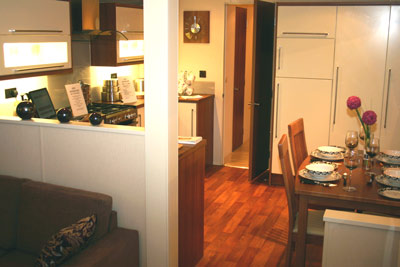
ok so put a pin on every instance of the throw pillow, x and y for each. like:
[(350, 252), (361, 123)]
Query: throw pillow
[(67, 242)]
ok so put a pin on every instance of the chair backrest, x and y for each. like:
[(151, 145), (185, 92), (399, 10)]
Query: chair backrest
[(297, 143), (287, 174)]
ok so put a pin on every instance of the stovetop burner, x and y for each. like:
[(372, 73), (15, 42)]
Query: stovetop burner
[(114, 113)]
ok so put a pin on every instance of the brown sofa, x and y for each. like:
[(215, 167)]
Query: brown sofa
[(31, 212)]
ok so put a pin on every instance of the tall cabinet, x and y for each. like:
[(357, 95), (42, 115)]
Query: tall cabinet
[(390, 114), (360, 57), (304, 63)]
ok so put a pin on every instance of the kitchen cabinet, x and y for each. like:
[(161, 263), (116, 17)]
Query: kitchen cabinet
[(34, 38), (360, 58), (301, 98), (314, 54), (390, 119), (124, 44), (306, 21), (191, 203), (196, 118)]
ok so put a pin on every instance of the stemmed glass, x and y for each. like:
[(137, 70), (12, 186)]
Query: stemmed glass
[(372, 149), (351, 139), (352, 161)]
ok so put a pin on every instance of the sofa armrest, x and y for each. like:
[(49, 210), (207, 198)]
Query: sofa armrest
[(117, 248)]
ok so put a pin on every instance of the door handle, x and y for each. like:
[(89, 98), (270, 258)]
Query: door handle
[(387, 96), (336, 89), (279, 58), (33, 31), (276, 117), (253, 104), (140, 120), (236, 89), (191, 130)]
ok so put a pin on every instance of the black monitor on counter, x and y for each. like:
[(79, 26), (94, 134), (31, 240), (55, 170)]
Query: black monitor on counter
[(43, 104)]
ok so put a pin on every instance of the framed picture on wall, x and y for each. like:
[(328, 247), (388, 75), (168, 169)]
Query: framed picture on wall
[(196, 26)]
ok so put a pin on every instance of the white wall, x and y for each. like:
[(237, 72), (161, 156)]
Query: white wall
[(106, 159)]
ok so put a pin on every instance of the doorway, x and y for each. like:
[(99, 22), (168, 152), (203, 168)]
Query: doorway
[(238, 84)]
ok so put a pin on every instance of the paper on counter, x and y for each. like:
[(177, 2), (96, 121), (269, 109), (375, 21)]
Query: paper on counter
[(76, 99), (126, 90)]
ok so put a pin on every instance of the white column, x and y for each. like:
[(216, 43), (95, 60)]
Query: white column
[(161, 149)]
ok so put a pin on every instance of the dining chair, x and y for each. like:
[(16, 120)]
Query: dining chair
[(297, 143), (315, 224)]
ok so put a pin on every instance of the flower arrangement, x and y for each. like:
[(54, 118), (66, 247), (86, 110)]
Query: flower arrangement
[(368, 118)]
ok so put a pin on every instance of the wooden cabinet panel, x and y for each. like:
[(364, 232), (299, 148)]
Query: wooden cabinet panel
[(191, 204), (301, 98), (306, 21), (129, 20), (390, 119), (196, 118), (140, 117), (305, 57), (360, 58)]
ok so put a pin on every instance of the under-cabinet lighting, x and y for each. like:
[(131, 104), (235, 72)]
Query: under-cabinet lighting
[(31, 54), (131, 48)]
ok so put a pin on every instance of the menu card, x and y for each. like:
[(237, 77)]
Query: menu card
[(126, 90), (76, 99)]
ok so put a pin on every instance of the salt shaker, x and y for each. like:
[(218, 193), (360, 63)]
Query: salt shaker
[(344, 178)]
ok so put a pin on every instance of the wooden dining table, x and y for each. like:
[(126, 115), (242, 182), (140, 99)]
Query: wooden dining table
[(365, 198)]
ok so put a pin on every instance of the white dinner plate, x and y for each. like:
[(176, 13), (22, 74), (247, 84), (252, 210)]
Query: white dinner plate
[(335, 176), (395, 154), (382, 179), (318, 155), (389, 193), (320, 170)]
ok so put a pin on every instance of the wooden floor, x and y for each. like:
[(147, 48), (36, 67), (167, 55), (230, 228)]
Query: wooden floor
[(245, 223), (240, 157)]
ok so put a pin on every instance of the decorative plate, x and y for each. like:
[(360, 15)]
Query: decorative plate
[(392, 173), (334, 164), (387, 161), (393, 154), (390, 193), (334, 176), (320, 170), (384, 180), (318, 155)]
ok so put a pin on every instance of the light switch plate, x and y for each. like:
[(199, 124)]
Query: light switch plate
[(10, 93)]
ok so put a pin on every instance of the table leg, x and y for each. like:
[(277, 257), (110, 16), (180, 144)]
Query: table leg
[(302, 232)]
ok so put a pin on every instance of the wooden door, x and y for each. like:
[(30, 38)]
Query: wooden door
[(263, 66), (390, 126), (239, 77), (360, 58)]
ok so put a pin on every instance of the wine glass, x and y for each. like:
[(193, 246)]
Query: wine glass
[(352, 161), (351, 139), (372, 149)]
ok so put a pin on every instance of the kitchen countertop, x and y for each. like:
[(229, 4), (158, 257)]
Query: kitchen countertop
[(138, 104), (194, 100)]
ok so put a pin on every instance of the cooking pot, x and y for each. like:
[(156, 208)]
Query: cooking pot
[(139, 85)]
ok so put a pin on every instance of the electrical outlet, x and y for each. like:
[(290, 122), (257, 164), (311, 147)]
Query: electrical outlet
[(114, 76), (12, 92), (203, 74)]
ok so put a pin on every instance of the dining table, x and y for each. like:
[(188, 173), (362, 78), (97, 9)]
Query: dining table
[(365, 198)]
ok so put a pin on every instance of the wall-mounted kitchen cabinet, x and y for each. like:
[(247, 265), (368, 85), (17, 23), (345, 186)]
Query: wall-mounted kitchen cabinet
[(34, 38), (124, 44)]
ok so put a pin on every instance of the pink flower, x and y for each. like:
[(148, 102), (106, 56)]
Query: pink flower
[(369, 117), (353, 102)]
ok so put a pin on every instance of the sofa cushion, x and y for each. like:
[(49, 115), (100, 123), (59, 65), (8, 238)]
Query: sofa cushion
[(67, 242), (10, 188), (17, 258), (47, 208)]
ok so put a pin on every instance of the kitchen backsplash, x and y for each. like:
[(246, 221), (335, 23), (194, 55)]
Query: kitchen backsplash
[(55, 83), (203, 88)]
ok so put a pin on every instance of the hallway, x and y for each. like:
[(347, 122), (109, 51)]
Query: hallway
[(245, 224)]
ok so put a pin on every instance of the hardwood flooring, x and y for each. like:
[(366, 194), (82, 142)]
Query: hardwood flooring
[(245, 224)]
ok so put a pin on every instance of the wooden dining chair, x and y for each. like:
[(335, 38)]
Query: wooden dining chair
[(315, 224), (297, 143)]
